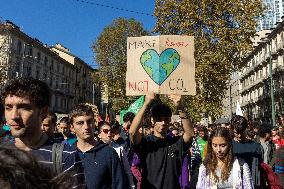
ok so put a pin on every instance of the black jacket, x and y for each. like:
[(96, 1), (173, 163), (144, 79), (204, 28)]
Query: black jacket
[(102, 167)]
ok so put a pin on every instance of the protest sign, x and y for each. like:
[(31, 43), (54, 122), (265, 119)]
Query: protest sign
[(162, 64)]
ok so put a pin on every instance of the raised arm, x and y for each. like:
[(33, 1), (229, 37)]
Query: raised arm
[(135, 136), (186, 123)]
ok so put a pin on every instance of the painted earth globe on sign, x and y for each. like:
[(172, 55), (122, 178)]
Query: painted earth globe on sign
[(159, 67)]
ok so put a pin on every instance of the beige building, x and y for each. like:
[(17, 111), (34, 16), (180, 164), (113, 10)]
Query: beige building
[(255, 80), (67, 75), (232, 96)]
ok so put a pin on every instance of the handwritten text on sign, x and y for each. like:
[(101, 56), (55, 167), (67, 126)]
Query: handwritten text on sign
[(163, 64)]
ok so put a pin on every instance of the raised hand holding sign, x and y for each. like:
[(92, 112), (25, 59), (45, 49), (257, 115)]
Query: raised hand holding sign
[(163, 64)]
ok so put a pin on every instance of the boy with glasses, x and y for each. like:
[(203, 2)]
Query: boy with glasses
[(105, 134)]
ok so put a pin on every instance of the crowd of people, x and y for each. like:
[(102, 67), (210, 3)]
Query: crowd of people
[(148, 150)]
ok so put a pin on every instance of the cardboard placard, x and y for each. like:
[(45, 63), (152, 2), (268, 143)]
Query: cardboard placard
[(163, 64)]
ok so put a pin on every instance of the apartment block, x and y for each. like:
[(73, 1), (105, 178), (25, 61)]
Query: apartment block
[(255, 82), (68, 76), (273, 11)]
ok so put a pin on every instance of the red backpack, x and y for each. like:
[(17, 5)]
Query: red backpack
[(271, 178)]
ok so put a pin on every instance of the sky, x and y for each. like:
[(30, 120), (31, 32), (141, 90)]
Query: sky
[(74, 23)]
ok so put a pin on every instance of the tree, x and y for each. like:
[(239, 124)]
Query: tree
[(223, 30), (4, 32), (110, 50)]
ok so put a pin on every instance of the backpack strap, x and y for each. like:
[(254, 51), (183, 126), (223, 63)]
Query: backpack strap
[(241, 163), (57, 151)]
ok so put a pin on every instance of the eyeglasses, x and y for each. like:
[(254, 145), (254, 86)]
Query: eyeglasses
[(106, 131)]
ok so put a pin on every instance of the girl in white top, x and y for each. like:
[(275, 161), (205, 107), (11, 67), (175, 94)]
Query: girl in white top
[(220, 168)]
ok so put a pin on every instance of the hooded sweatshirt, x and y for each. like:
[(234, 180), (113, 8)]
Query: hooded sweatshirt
[(102, 168)]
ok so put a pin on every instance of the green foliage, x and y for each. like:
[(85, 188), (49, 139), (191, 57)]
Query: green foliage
[(3, 52), (111, 55), (223, 30)]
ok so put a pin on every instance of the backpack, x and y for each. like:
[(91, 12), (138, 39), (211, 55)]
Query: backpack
[(271, 178), (57, 151)]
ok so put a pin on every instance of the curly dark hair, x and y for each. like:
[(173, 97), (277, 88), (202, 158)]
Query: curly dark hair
[(20, 170), (161, 110), (37, 91), (1, 113), (264, 129), (211, 162), (80, 110), (239, 123), (129, 116), (53, 117), (64, 120), (103, 123)]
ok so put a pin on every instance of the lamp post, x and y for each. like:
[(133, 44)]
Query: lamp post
[(271, 86)]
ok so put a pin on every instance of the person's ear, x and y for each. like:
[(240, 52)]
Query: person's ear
[(99, 135), (72, 128)]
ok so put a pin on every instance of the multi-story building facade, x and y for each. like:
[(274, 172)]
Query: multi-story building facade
[(273, 11), (255, 77), (85, 89), (232, 96), (69, 78)]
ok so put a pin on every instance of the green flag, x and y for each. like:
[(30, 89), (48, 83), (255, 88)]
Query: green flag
[(134, 107)]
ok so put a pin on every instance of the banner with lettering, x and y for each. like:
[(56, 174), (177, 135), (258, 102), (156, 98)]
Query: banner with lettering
[(163, 64)]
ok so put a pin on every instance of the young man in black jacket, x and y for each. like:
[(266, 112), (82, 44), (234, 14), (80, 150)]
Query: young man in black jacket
[(248, 150), (97, 161), (161, 156)]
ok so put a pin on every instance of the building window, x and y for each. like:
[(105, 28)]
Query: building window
[(38, 57), (29, 71), (19, 47), (37, 74), (56, 101), (44, 76), (45, 61), (52, 64), (50, 81), (30, 51)]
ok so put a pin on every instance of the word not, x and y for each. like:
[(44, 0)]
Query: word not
[(141, 86), (177, 84), (176, 43), (142, 44)]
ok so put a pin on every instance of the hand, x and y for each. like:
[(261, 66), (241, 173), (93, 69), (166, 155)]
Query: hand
[(149, 97), (175, 98)]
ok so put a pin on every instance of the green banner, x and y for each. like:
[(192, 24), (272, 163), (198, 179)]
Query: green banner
[(134, 107)]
